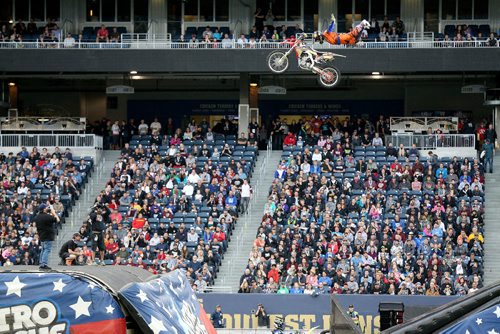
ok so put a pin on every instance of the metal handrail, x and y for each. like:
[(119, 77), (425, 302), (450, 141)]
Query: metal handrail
[(434, 141), (51, 140), (165, 43)]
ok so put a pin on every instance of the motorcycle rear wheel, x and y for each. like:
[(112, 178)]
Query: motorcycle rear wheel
[(277, 61), (329, 77)]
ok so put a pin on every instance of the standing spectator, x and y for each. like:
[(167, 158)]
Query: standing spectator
[(491, 134), (246, 192), (259, 19), (262, 317), (155, 127), (46, 221), (217, 317), (399, 25), (143, 128), (115, 131), (489, 152)]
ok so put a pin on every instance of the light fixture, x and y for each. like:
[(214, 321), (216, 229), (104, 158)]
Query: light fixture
[(375, 73), (12, 84), (91, 13), (133, 72), (136, 77), (11, 21), (253, 84)]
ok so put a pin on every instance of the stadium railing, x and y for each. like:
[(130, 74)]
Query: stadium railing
[(51, 140), (146, 44), (432, 142)]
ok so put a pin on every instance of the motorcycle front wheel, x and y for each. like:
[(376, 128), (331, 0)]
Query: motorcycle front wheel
[(329, 77), (277, 61)]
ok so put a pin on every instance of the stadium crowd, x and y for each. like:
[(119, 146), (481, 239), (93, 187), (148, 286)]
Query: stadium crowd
[(349, 213), (172, 200), (31, 180)]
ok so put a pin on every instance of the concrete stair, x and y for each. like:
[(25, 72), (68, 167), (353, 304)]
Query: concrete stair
[(80, 211), (492, 225), (236, 258)]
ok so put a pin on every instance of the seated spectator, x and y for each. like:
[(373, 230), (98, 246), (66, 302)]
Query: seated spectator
[(492, 41), (102, 35), (115, 36), (69, 41)]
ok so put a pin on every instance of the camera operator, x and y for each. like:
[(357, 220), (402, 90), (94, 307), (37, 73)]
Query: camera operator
[(262, 317), (46, 221), (99, 220)]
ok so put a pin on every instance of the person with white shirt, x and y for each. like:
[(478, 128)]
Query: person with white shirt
[(69, 41), (188, 189), (377, 141), (155, 126), (246, 193), (316, 156), (143, 128), (194, 177)]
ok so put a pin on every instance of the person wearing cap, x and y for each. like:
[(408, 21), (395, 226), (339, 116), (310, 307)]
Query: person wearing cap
[(70, 250), (46, 221), (217, 317)]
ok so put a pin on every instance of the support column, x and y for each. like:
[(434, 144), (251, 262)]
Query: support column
[(157, 17), (13, 95), (244, 106), (326, 8)]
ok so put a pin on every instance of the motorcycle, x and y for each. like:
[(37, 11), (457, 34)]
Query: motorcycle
[(308, 59), (279, 328)]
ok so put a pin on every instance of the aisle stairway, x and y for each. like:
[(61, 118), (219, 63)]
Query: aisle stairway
[(236, 258), (82, 207), (492, 225)]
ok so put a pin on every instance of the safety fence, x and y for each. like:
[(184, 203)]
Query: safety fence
[(236, 44), (51, 140), (432, 142)]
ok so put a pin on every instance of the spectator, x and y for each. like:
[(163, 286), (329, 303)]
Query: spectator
[(217, 317), (69, 41), (399, 26), (115, 36), (70, 250), (492, 41), (102, 35), (46, 224)]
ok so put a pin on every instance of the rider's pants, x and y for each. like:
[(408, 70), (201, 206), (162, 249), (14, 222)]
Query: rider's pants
[(344, 38)]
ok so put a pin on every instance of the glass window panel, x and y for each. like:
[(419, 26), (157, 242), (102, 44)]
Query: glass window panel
[(140, 10), (481, 10), (54, 9), (6, 13), (108, 10), (431, 15), (448, 10), (221, 10), (278, 10), (38, 10), (464, 9), (310, 15), (394, 9), (174, 10), (378, 10), (191, 10), (123, 10), (361, 8), (293, 10), (207, 10), (344, 12), (22, 10), (93, 10)]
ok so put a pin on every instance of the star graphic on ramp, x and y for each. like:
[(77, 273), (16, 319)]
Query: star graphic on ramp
[(156, 325), (14, 287), (81, 307)]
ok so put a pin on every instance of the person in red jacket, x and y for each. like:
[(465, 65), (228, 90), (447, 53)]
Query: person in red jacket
[(290, 140), (138, 222), (274, 273), (219, 237)]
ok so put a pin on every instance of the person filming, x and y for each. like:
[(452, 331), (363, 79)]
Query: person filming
[(46, 221), (262, 317)]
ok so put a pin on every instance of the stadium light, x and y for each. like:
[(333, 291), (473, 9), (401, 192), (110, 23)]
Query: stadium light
[(133, 72), (253, 84), (12, 84), (136, 77), (375, 73)]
